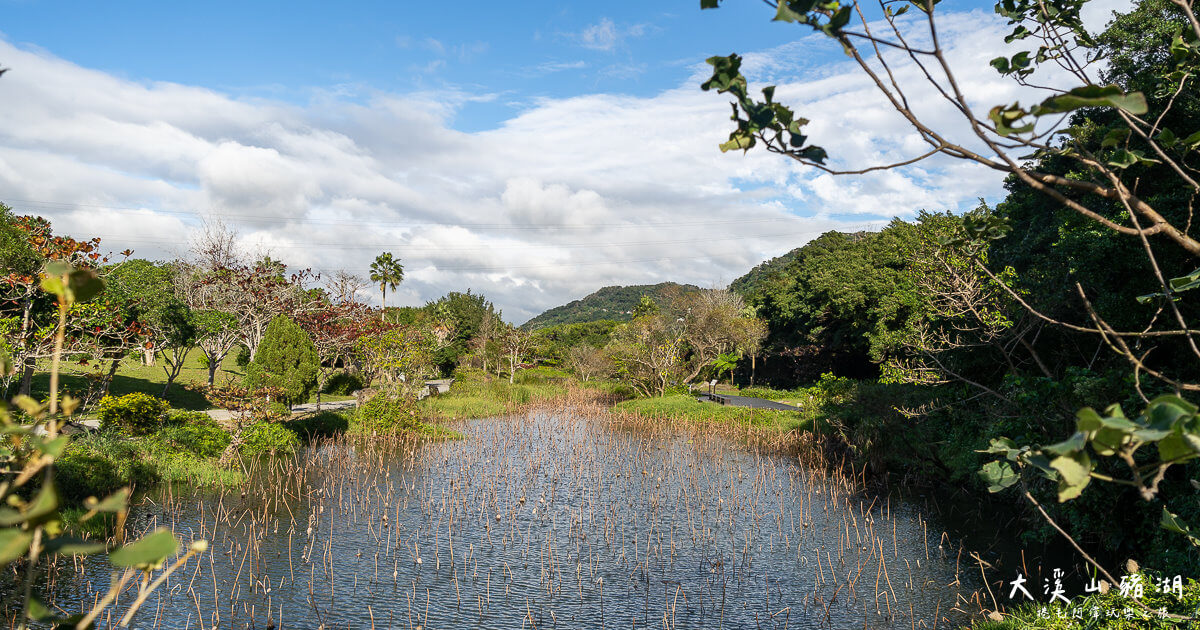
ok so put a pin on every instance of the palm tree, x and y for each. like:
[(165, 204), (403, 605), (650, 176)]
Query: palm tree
[(388, 272)]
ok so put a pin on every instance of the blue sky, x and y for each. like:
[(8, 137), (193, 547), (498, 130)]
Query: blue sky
[(531, 151), (509, 53)]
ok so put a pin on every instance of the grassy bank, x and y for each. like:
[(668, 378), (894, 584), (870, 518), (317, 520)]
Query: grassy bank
[(476, 394), (685, 407)]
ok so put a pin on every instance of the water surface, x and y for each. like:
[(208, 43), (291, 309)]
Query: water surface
[(547, 520)]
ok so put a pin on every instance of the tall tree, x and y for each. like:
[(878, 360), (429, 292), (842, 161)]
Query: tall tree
[(388, 273), (176, 335)]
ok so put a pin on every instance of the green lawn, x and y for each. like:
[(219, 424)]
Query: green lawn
[(132, 377)]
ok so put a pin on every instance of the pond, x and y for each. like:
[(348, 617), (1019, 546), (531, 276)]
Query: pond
[(552, 519)]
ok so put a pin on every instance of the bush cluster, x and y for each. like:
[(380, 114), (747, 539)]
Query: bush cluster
[(386, 414), (268, 438), (318, 425), (97, 465), (132, 414), (203, 438), (343, 384)]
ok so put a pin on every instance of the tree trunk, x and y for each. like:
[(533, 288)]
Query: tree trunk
[(112, 373), (147, 356), (752, 358), (27, 377), (212, 372)]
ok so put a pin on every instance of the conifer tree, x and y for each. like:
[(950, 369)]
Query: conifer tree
[(286, 359)]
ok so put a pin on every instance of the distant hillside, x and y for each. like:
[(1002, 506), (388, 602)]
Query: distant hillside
[(607, 303), (749, 283)]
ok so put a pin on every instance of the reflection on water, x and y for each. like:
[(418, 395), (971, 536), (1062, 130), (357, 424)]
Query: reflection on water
[(554, 519)]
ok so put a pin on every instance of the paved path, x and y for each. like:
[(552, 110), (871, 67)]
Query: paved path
[(746, 401), (223, 415), (329, 405)]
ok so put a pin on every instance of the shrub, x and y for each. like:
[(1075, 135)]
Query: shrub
[(132, 414), (286, 359), (98, 465), (176, 417), (203, 439), (385, 414), (677, 390), (268, 438), (278, 410), (343, 384), (318, 425), (243, 357)]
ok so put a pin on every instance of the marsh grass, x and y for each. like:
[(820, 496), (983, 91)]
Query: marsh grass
[(687, 408), (475, 394)]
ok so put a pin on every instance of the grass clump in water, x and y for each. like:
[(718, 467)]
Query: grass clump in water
[(476, 394), (686, 407)]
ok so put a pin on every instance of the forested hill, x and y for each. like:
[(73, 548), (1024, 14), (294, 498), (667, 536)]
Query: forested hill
[(608, 303), (749, 283)]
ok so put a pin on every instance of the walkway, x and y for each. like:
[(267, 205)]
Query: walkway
[(329, 405), (746, 401)]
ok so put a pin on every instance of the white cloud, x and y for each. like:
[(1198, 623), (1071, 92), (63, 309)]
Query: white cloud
[(607, 35), (568, 196), (600, 36)]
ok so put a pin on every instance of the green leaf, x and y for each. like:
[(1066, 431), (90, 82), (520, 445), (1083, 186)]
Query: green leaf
[(841, 18), (738, 140), (1093, 96), (1107, 441), (1005, 118), (1074, 474), (1125, 158), (998, 475), (85, 284), (13, 544), (38, 610), (814, 154), (1173, 523), (709, 4), (1114, 137), (1073, 444), (1168, 412), (53, 448), (70, 545), (785, 14), (1167, 138), (1042, 463), (148, 553), (1185, 283), (42, 509), (1000, 446), (1174, 448), (1193, 140), (115, 502)]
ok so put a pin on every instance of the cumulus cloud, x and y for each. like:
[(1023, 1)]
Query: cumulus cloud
[(570, 195)]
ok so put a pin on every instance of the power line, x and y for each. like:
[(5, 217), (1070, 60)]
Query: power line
[(343, 245), (60, 205)]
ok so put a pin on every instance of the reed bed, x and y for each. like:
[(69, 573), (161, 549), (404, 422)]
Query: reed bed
[(560, 513)]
